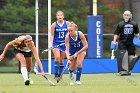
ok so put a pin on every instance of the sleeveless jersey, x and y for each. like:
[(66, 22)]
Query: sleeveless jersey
[(60, 32), (24, 49), (59, 35), (75, 44)]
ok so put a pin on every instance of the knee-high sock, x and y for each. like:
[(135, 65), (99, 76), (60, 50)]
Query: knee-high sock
[(78, 73), (24, 73), (56, 65), (61, 66)]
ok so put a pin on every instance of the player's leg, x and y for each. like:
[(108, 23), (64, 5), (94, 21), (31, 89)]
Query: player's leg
[(132, 57), (28, 63), (28, 58), (80, 59), (29, 67), (24, 71), (122, 59), (56, 53), (123, 66), (132, 61), (61, 66), (72, 67)]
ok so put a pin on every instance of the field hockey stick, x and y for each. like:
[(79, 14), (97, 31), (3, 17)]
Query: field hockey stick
[(112, 55), (46, 50), (49, 81), (67, 65)]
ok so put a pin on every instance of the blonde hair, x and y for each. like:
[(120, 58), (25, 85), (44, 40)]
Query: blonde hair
[(20, 40), (72, 24), (59, 11)]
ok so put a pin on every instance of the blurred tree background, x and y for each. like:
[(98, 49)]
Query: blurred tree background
[(18, 16)]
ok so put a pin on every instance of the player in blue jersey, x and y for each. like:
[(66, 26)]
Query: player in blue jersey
[(58, 33), (76, 44)]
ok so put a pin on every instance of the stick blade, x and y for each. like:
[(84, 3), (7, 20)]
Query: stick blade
[(52, 84), (67, 65), (46, 50)]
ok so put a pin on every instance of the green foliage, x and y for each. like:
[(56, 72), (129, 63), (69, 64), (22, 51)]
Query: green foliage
[(17, 16), (74, 10), (2, 3), (111, 16)]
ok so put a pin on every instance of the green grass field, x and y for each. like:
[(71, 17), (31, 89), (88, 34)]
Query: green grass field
[(91, 83)]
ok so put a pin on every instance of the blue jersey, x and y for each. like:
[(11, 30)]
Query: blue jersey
[(60, 32), (59, 35), (75, 44)]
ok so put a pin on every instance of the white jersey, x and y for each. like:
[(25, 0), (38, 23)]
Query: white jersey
[(24, 49)]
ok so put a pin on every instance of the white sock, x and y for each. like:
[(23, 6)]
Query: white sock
[(24, 73)]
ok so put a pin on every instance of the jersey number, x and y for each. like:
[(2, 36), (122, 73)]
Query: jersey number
[(61, 35), (128, 30), (76, 45)]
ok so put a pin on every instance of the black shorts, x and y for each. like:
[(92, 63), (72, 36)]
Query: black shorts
[(26, 54), (129, 47)]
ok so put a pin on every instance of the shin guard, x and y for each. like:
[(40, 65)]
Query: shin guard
[(132, 61), (122, 56)]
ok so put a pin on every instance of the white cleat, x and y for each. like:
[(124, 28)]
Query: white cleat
[(35, 71), (78, 82)]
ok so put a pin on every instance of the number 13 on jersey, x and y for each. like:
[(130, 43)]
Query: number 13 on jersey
[(61, 35)]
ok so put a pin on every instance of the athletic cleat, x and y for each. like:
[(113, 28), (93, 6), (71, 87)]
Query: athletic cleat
[(71, 75), (125, 73), (78, 82), (27, 82), (35, 71)]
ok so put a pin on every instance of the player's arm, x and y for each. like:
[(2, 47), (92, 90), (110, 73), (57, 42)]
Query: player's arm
[(115, 38), (116, 33), (67, 22), (8, 45), (67, 47), (34, 51), (137, 35), (114, 43), (52, 33), (85, 44)]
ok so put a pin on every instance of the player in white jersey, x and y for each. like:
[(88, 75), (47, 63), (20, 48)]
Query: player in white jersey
[(23, 48)]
